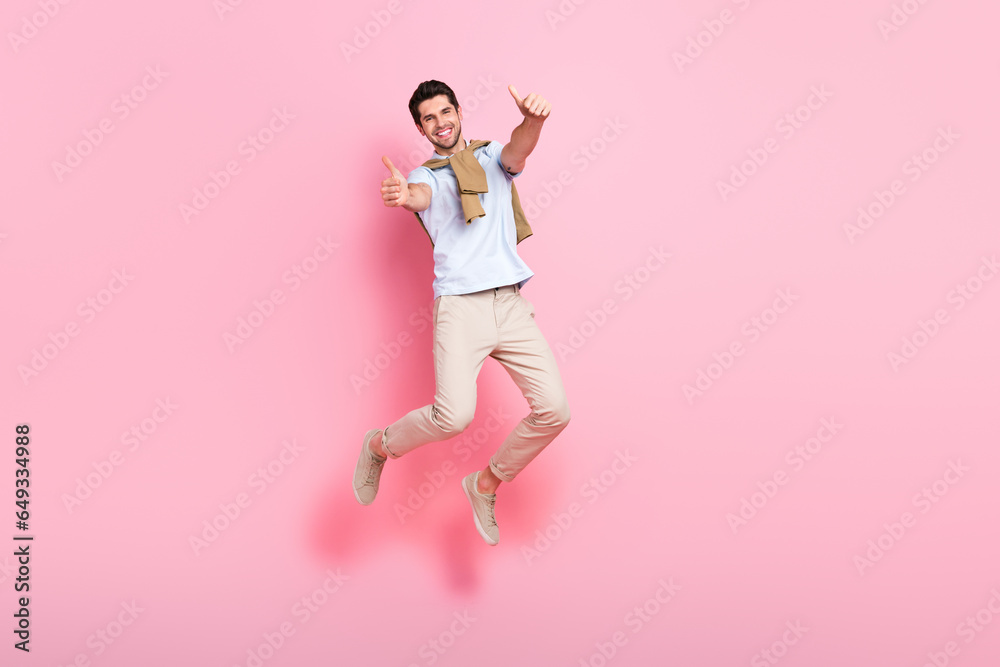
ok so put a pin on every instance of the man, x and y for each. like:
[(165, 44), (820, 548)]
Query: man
[(478, 308)]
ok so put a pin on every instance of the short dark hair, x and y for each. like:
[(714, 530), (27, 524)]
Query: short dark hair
[(426, 91)]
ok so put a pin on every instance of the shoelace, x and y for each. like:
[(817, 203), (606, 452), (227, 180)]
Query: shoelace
[(490, 516), (373, 467)]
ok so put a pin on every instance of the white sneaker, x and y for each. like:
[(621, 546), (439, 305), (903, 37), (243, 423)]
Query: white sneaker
[(482, 509), (367, 471)]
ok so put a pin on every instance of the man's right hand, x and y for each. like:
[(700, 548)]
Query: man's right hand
[(394, 189)]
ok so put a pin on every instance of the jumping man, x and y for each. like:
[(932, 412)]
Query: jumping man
[(466, 200)]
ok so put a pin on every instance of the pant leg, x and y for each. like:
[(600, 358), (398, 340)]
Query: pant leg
[(527, 357), (464, 335)]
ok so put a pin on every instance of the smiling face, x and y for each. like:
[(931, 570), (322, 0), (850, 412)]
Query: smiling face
[(441, 123)]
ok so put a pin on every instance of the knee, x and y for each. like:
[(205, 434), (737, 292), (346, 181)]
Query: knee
[(562, 415), (556, 415), (453, 419)]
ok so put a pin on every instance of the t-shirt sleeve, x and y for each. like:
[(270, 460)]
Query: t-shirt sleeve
[(493, 149), (421, 175)]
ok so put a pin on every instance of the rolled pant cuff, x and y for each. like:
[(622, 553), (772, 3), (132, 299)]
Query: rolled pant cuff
[(504, 477), (385, 445)]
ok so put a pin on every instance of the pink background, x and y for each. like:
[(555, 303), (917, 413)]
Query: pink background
[(576, 557)]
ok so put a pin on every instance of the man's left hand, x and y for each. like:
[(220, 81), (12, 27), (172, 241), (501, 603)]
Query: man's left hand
[(533, 106)]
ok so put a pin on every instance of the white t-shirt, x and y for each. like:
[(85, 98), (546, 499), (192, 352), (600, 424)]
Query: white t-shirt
[(472, 257)]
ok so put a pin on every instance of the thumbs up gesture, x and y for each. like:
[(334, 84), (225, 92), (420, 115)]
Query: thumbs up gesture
[(394, 188), (533, 106)]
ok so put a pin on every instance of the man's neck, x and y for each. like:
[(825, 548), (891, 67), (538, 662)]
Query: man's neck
[(459, 146)]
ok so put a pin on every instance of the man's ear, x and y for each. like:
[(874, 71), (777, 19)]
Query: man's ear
[(420, 128)]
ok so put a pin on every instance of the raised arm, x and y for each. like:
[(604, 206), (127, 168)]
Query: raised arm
[(535, 110), (414, 197)]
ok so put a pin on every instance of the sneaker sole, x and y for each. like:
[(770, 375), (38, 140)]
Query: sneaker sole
[(475, 517), (364, 445)]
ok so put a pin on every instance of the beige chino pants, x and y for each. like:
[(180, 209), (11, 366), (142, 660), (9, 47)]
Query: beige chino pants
[(498, 323)]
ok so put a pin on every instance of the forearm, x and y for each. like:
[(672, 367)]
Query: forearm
[(418, 198), (522, 142)]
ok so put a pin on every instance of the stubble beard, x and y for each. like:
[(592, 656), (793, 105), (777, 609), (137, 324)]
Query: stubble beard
[(455, 134)]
